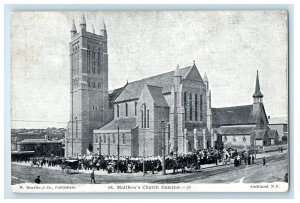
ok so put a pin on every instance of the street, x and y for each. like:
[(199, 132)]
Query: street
[(275, 169)]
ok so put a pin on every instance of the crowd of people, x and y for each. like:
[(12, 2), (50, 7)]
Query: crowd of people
[(183, 163)]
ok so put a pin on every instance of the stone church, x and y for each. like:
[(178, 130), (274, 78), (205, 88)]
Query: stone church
[(174, 107)]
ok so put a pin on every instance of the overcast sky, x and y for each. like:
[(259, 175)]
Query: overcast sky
[(228, 45)]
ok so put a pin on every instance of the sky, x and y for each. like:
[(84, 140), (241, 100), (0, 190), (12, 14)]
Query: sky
[(230, 46)]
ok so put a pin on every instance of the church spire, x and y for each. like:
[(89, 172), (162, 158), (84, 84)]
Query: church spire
[(257, 96), (73, 29), (82, 22), (103, 26), (93, 29)]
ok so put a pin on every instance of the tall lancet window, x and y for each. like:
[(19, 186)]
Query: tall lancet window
[(145, 116), (201, 116), (196, 107), (191, 106), (126, 109), (118, 112), (142, 118), (185, 104)]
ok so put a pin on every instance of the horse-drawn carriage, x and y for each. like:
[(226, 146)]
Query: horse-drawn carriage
[(70, 166)]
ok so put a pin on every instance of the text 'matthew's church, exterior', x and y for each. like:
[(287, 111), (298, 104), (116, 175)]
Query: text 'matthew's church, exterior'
[(174, 105)]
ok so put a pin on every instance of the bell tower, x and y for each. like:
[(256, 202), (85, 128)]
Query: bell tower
[(88, 87), (257, 97)]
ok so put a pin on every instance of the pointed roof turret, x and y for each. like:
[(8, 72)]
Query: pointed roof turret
[(73, 29), (176, 73), (103, 26), (82, 21), (205, 79), (93, 29), (257, 92)]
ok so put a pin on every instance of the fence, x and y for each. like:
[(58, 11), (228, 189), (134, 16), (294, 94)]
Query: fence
[(274, 148)]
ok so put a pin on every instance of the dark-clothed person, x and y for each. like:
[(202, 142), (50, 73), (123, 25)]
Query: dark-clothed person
[(37, 180), (93, 176)]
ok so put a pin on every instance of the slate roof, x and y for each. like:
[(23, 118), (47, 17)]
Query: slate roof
[(134, 89), (123, 123), (113, 94), (236, 130), (260, 134), (235, 115), (39, 141), (272, 133), (158, 97)]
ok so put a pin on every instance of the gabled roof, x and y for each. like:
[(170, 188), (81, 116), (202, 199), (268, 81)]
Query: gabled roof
[(133, 89), (272, 133), (123, 123), (236, 130), (113, 94), (260, 134), (39, 141), (158, 97), (235, 115)]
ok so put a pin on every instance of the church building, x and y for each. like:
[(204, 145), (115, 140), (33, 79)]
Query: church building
[(172, 108)]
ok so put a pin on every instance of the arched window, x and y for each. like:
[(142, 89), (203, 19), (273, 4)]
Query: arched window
[(114, 138), (201, 107), (96, 138), (191, 106), (145, 116), (126, 109), (185, 104), (142, 118), (118, 112), (124, 138), (148, 118), (196, 107)]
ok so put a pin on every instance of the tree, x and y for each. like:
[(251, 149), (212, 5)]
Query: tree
[(284, 138), (90, 148)]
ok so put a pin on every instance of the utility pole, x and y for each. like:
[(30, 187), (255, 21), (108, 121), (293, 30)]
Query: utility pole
[(163, 148), (118, 148)]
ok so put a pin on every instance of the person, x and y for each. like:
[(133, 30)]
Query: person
[(264, 161), (235, 162), (252, 159), (37, 180), (93, 176), (249, 160)]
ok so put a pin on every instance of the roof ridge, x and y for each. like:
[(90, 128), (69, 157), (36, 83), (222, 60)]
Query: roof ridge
[(154, 85), (159, 74), (231, 106)]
